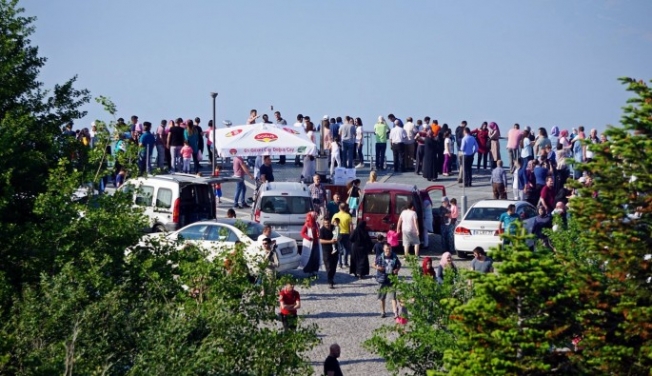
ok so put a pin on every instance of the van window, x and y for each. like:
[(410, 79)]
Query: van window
[(164, 198), (526, 212), (144, 195), (285, 204), (401, 202), (376, 203)]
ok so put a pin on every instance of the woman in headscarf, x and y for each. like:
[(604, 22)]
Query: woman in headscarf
[(311, 251), (494, 139), (439, 137), (361, 246), (445, 265), (430, 157), (482, 135), (426, 267)]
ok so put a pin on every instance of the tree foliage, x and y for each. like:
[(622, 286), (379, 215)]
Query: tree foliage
[(420, 345), (71, 302), (517, 322), (614, 215)]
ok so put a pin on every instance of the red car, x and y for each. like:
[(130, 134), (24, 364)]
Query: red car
[(382, 203)]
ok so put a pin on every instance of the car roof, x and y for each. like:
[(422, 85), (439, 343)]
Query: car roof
[(179, 178), (498, 203), (375, 187), (226, 221), (284, 185)]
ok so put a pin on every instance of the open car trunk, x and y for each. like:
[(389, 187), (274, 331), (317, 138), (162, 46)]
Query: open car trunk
[(196, 203)]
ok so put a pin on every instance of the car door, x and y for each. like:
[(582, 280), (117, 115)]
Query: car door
[(436, 192), (375, 210)]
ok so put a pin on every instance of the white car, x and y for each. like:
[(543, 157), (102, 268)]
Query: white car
[(479, 227), (220, 236)]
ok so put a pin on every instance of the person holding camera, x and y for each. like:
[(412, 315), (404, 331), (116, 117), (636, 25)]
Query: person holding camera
[(318, 196), (386, 264)]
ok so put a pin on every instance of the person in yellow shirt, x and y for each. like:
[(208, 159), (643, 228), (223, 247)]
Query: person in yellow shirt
[(346, 226)]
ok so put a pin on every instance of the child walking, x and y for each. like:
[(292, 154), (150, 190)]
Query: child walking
[(336, 236), (335, 154), (217, 186), (186, 154)]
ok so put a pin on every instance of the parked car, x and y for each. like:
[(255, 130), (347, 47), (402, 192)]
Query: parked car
[(283, 205), (479, 227), (221, 235), (173, 201), (381, 205)]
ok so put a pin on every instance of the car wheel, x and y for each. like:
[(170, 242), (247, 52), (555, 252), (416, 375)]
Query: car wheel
[(461, 254), (158, 228)]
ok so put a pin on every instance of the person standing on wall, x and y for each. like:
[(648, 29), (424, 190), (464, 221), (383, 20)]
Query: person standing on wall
[(468, 147), (347, 137), (381, 130), (397, 137), (459, 135)]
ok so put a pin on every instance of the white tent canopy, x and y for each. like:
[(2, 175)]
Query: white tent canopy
[(261, 139)]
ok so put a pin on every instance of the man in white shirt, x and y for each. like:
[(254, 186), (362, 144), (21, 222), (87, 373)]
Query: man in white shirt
[(409, 144), (298, 124), (397, 137), (408, 226)]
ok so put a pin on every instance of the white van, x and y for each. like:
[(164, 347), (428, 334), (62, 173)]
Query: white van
[(283, 206), (173, 201)]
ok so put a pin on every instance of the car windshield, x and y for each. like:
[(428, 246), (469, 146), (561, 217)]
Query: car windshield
[(254, 230), (484, 214), (285, 204)]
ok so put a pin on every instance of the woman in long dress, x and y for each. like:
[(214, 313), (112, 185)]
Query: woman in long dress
[(430, 157), (362, 245), (310, 254), (494, 139)]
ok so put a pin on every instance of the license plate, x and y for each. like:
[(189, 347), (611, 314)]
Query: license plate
[(483, 232), (374, 234), (286, 251), (281, 228)]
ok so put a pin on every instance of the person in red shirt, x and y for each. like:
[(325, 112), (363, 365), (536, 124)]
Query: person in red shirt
[(290, 301), (547, 196)]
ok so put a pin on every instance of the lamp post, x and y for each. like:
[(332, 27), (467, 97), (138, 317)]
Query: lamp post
[(214, 95)]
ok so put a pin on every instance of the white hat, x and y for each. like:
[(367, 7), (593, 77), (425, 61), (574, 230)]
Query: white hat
[(227, 123), (325, 117), (92, 124)]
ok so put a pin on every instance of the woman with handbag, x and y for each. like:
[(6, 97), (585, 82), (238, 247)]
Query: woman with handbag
[(311, 251), (354, 195)]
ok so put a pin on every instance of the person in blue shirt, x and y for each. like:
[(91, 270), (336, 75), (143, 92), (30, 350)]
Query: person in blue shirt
[(506, 222), (468, 147), (146, 144)]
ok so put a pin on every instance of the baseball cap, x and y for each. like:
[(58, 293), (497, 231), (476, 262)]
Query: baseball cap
[(444, 199), (227, 123), (325, 117)]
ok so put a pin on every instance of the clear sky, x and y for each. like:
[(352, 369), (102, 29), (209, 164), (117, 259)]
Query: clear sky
[(535, 62)]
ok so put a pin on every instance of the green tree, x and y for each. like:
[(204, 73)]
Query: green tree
[(517, 322), (420, 345), (613, 213), (70, 301), (32, 144)]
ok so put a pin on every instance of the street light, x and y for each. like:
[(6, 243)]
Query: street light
[(214, 151)]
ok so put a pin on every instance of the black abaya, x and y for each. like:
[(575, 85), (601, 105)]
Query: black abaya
[(430, 160), (361, 246)]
